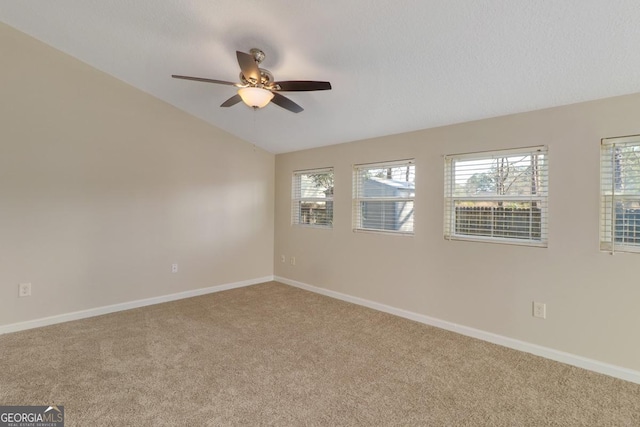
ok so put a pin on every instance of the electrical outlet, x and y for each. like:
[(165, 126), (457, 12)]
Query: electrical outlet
[(540, 310), (283, 258), (24, 290), (293, 260), (174, 268)]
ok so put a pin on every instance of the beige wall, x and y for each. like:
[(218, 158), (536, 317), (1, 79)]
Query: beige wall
[(103, 187), (592, 297)]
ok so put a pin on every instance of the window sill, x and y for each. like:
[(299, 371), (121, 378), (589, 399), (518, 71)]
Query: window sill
[(500, 241), (319, 227), (391, 233)]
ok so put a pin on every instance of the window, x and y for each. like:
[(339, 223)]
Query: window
[(498, 196), (312, 197), (620, 194), (383, 195)]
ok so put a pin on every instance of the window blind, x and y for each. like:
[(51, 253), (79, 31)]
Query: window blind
[(312, 197), (620, 194), (497, 196), (383, 197)]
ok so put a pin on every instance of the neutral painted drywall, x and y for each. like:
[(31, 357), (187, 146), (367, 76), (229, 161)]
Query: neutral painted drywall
[(103, 187), (394, 66), (592, 297)]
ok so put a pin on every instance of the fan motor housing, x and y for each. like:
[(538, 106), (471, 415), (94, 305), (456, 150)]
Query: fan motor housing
[(266, 79)]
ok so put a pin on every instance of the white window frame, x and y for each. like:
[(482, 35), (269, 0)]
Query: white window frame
[(612, 195), (541, 198), (358, 198), (297, 199)]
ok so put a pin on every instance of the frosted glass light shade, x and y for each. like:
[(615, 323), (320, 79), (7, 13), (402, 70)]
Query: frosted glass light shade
[(255, 97)]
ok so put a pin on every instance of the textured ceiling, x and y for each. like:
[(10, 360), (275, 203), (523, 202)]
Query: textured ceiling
[(394, 66)]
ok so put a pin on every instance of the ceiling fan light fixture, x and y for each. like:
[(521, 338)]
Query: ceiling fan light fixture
[(255, 97), (257, 86)]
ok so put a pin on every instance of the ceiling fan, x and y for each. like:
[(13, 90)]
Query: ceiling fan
[(257, 87)]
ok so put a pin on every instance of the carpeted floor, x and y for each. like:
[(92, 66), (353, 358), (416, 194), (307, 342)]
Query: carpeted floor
[(271, 354)]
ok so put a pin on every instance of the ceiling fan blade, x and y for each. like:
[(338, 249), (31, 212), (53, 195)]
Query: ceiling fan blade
[(248, 66), (302, 85), (201, 79), (231, 101), (286, 103)]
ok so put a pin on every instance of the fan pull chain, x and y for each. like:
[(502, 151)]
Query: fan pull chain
[(255, 112)]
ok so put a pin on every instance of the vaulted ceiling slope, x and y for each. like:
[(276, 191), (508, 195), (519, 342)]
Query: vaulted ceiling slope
[(394, 66)]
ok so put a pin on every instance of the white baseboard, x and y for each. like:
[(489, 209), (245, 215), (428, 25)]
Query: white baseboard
[(83, 314), (546, 352)]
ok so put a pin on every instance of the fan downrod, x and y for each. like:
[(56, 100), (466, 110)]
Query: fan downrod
[(258, 55)]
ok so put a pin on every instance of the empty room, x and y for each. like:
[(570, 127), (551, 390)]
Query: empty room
[(240, 213)]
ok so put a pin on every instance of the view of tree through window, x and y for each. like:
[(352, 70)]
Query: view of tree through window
[(620, 183), (312, 202), (497, 195)]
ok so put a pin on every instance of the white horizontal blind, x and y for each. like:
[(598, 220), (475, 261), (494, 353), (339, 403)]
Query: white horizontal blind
[(312, 197), (498, 196), (383, 196), (620, 194)]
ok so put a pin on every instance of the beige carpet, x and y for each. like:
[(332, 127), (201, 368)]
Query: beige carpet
[(271, 354)]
